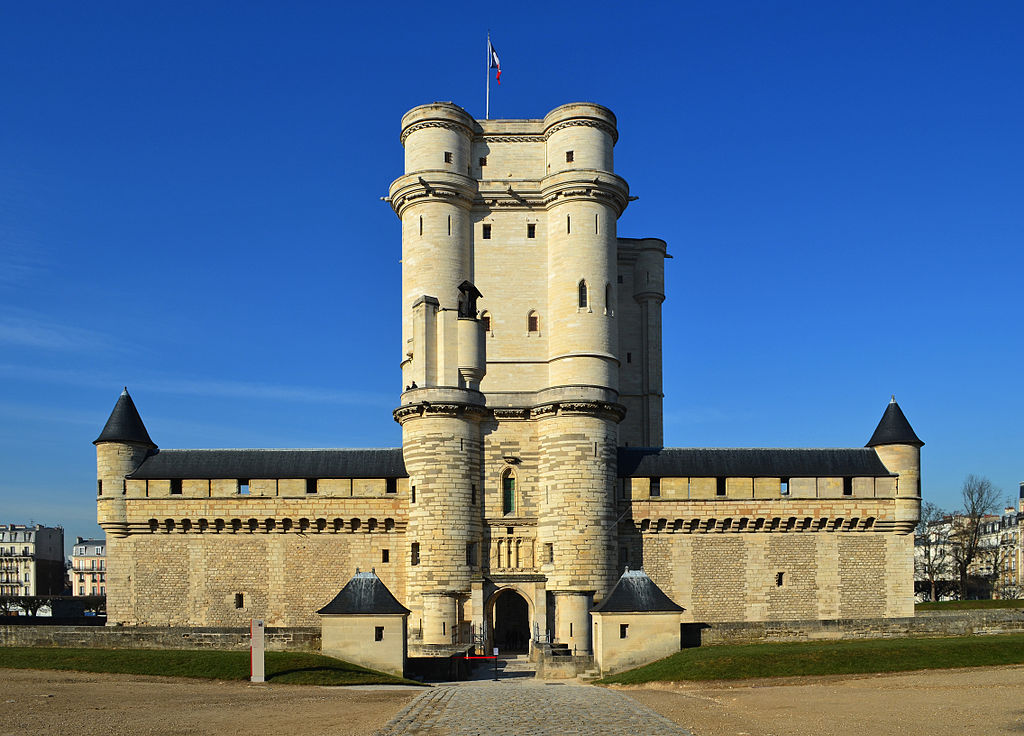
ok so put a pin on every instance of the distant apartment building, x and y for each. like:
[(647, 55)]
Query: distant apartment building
[(89, 567), (1000, 552), (31, 560)]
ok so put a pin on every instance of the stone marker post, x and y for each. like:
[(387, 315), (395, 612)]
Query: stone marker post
[(256, 670)]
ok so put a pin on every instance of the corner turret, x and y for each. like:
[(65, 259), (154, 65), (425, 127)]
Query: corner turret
[(121, 447), (899, 449)]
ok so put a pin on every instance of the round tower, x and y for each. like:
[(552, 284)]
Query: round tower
[(577, 415), (899, 449), (121, 447), (442, 363)]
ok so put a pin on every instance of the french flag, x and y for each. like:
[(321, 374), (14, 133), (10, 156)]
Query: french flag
[(494, 62)]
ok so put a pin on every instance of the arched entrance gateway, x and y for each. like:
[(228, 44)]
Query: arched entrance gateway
[(510, 621)]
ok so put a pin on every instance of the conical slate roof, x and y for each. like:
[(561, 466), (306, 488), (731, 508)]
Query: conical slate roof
[(366, 594), (894, 429), (125, 424), (636, 593)]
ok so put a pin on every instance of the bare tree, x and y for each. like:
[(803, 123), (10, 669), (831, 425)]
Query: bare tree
[(932, 557), (979, 498)]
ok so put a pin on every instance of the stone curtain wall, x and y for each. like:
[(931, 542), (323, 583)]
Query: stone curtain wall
[(736, 577), (192, 579), (295, 639)]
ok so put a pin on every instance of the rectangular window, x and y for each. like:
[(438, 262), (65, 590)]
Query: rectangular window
[(508, 494), (99, 487), (783, 486), (847, 486), (532, 323), (243, 487), (623, 630), (483, 161), (176, 486), (569, 156), (549, 553), (719, 486), (81, 590), (472, 497), (414, 554), (487, 231), (239, 600), (391, 485), (310, 485), (531, 230), (619, 278), (378, 633), (655, 487), (629, 357), (412, 493), (471, 553), (447, 157), (385, 555), (568, 224)]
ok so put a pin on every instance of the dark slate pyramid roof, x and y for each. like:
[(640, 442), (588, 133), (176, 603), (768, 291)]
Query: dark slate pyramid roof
[(366, 594), (125, 424), (636, 593), (894, 429)]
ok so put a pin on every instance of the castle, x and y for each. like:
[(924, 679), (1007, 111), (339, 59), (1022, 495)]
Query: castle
[(532, 471)]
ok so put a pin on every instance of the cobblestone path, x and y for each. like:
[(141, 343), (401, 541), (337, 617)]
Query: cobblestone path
[(527, 709)]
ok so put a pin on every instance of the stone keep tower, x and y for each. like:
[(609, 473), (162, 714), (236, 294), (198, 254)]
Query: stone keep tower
[(511, 362)]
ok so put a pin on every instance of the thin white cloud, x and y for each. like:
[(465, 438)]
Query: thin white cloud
[(27, 330), (198, 387)]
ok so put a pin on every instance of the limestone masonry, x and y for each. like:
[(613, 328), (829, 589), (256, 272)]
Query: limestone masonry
[(531, 472)]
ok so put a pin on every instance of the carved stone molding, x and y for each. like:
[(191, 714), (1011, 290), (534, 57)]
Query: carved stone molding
[(601, 125), (538, 138), (511, 413), (433, 124)]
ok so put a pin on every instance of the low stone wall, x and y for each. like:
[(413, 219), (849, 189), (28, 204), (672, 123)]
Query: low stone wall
[(294, 639), (925, 623)]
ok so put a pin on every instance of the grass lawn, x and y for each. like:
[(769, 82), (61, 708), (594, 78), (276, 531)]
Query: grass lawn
[(967, 605), (828, 658), (292, 668)]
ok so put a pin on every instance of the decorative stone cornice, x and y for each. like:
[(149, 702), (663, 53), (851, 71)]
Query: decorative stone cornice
[(497, 138), (440, 409), (604, 409), (583, 123), (447, 125), (442, 186), (511, 414)]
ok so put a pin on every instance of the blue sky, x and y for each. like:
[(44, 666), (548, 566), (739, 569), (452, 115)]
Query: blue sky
[(189, 206)]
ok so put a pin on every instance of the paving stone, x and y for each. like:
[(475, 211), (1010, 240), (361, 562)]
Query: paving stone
[(527, 709)]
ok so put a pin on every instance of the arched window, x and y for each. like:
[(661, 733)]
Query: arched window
[(532, 322), (485, 320), (508, 492), (582, 289)]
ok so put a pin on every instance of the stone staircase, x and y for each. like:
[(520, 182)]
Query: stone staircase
[(516, 665)]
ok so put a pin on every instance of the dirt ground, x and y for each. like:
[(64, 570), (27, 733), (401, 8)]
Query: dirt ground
[(981, 701), (976, 701)]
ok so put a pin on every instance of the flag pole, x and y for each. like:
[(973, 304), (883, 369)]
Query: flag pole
[(487, 67)]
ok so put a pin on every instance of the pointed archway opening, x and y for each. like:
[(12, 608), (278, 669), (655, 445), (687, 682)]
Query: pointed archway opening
[(510, 622)]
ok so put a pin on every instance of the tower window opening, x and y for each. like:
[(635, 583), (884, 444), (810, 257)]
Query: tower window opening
[(385, 555), (608, 309), (470, 554), (421, 224), (623, 631), (847, 486), (629, 357), (783, 486), (483, 161), (485, 320), (412, 494), (778, 579), (569, 157), (719, 486), (532, 322), (487, 231), (449, 224), (414, 553), (310, 485), (655, 487), (378, 633), (582, 294), (619, 278), (176, 486), (243, 487), (99, 487), (597, 224), (391, 485), (508, 493), (239, 600), (549, 553), (447, 157), (531, 230), (472, 497)]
